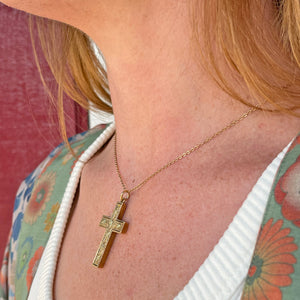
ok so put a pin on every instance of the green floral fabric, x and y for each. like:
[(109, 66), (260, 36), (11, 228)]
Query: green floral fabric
[(36, 206), (274, 272)]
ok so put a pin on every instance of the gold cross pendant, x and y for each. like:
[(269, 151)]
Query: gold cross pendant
[(113, 225)]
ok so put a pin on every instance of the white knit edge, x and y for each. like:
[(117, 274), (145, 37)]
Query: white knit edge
[(51, 252), (227, 265)]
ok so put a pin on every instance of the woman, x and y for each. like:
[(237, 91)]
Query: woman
[(175, 70)]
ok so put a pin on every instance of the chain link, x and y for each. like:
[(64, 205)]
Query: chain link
[(179, 157)]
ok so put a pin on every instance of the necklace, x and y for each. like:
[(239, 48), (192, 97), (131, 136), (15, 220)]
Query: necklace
[(115, 224)]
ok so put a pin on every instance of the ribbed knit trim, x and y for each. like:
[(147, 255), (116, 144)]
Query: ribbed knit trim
[(223, 273), (42, 286)]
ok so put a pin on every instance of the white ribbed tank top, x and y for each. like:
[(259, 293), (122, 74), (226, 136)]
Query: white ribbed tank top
[(223, 273)]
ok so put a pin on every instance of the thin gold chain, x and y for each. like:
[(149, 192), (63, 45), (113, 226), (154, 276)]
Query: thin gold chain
[(127, 192)]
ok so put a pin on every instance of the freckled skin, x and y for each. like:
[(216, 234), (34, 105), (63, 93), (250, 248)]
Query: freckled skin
[(165, 213)]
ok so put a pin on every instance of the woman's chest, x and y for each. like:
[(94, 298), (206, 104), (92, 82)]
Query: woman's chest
[(170, 234)]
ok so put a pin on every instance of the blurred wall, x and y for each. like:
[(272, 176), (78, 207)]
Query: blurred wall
[(28, 123)]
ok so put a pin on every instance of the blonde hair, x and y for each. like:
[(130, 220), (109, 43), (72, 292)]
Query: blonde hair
[(74, 64), (262, 51)]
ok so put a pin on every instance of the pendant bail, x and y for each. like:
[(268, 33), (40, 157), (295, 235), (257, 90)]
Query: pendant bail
[(125, 195)]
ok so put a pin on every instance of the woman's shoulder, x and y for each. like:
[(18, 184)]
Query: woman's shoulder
[(60, 159), (36, 206), (57, 165)]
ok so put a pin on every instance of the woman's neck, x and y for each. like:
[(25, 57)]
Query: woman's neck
[(164, 102)]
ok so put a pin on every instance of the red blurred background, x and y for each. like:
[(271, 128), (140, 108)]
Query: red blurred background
[(28, 123)]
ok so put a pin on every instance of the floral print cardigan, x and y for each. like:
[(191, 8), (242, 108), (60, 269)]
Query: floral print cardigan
[(274, 272)]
